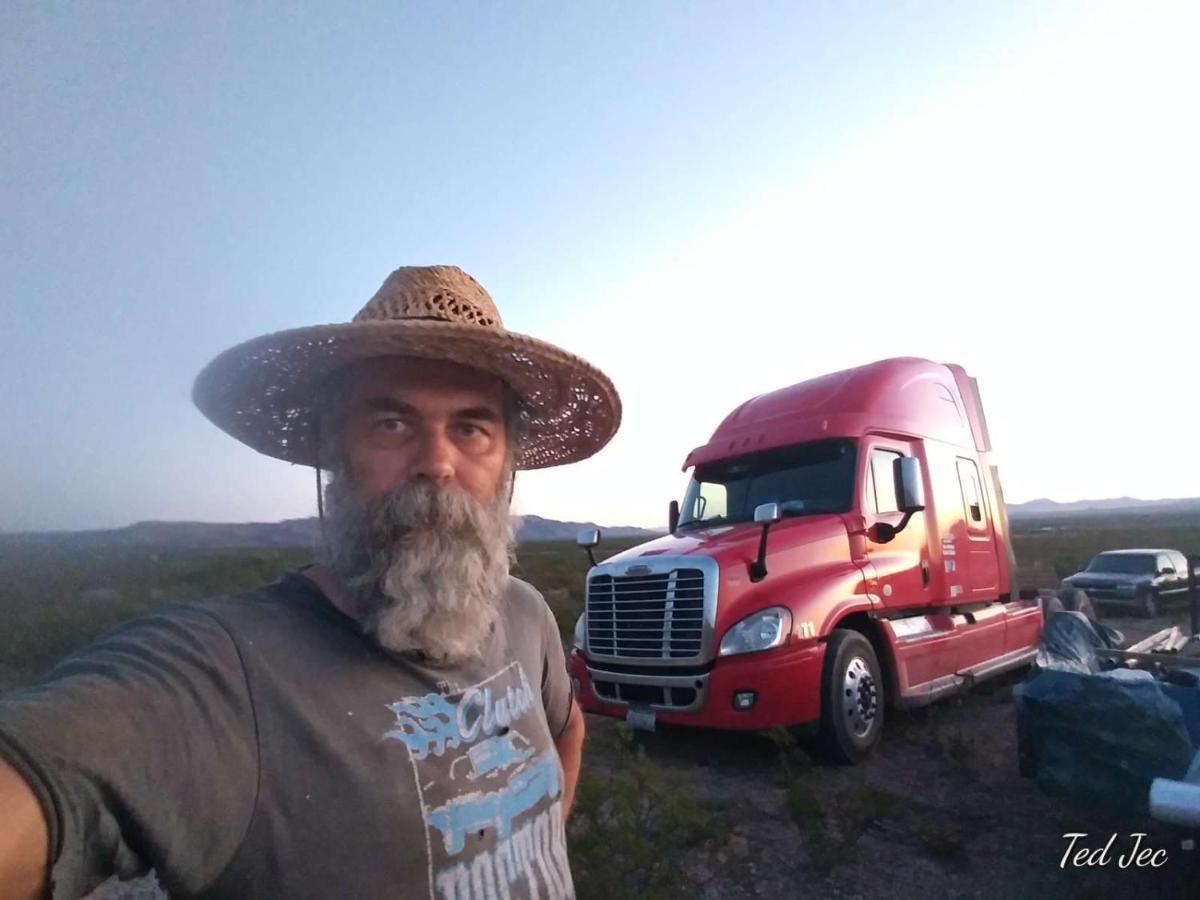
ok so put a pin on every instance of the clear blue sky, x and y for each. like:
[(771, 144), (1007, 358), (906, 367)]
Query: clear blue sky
[(177, 178)]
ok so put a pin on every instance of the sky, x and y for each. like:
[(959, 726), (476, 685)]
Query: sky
[(706, 200)]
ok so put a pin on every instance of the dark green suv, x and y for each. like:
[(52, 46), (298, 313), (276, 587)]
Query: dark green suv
[(1138, 578)]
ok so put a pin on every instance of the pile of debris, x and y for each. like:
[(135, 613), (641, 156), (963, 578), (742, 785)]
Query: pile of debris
[(1169, 650), (1101, 722)]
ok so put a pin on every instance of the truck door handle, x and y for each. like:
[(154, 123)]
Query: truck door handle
[(924, 573)]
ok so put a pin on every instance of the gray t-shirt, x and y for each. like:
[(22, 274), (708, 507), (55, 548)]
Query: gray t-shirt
[(260, 746)]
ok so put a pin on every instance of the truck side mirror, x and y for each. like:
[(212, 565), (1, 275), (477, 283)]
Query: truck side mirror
[(910, 499), (673, 516), (910, 488), (766, 515), (587, 539)]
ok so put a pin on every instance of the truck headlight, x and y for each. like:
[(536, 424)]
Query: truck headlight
[(580, 627), (761, 631)]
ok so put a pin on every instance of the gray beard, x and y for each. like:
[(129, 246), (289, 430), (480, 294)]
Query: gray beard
[(423, 567)]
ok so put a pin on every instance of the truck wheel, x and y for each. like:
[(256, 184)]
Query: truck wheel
[(1079, 601), (851, 698), (1148, 604)]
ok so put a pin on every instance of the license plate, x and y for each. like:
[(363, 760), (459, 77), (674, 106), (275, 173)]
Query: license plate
[(642, 719)]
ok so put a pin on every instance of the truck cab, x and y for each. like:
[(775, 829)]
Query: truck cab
[(841, 546)]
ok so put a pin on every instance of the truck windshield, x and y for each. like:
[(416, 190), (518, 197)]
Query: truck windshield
[(805, 480), (1123, 564)]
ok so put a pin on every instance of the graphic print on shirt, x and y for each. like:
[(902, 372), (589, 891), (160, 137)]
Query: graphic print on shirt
[(491, 797)]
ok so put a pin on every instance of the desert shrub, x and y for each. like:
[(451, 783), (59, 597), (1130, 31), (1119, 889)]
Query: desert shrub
[(831, 827), (631, 828), (55, 600)]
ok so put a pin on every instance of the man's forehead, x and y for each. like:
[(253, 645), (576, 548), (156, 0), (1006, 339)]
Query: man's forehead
[(405, 377)]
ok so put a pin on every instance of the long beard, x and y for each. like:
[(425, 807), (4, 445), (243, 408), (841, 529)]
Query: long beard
[(423, 567)]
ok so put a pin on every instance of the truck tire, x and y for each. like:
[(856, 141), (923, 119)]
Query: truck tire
[(1147, 604), (1078, 601), (851, 698)]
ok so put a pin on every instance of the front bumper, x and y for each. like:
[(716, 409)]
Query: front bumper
[(786, 682)]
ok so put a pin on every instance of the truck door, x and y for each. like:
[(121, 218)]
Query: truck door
[(901, 566), (975, 540)]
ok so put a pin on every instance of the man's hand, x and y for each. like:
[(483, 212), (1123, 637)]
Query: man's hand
[(24, 840), (570, 751)]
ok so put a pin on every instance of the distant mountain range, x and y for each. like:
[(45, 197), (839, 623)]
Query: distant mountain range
[(288, 533), (1114, 506), (535, 528), (303, 532)]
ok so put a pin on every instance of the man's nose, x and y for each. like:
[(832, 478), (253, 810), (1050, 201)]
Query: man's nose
[(436, 458)]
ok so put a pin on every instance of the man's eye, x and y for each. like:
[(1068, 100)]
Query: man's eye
[(391, 426)]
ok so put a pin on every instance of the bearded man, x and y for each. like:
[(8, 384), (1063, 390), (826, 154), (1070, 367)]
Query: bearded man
[(396, 721)]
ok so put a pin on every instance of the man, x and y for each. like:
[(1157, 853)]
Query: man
[(395, 722)]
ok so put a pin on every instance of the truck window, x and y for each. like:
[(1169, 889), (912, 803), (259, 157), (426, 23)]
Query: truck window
[(1122, 563), (881, 480), (968, 479), (710, 502), (805, 480), (1164, 562)]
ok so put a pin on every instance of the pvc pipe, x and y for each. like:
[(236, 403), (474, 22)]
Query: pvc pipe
[(1177, 802)]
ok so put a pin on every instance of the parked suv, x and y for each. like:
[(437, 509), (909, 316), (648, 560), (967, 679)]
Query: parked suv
[(1137, 578)]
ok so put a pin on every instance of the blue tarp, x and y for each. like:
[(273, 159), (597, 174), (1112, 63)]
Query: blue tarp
[(1069, 643), (1100, 738)]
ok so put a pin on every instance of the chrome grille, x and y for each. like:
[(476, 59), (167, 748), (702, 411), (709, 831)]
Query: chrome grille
[(651, 616)]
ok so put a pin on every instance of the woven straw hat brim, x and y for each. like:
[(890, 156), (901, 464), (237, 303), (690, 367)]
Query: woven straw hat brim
[(262, 391)]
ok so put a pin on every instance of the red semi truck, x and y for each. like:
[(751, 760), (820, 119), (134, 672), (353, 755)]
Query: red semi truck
[(842, 546)]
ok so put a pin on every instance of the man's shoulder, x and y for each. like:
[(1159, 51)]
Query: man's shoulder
[(267, 602), (523, 599), (524, 590), (288, 585)]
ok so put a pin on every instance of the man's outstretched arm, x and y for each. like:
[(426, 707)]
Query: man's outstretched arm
[(24, 840), (570, 751)]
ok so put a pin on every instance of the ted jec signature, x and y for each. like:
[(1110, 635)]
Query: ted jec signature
[(1138, 857)]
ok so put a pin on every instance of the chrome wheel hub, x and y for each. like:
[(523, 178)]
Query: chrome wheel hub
[(860, 697)]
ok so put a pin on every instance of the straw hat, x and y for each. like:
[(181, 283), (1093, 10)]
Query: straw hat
[(263, 391)]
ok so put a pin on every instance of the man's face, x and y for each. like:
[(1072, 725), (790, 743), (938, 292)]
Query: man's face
[(417, 529), (405, 419)]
